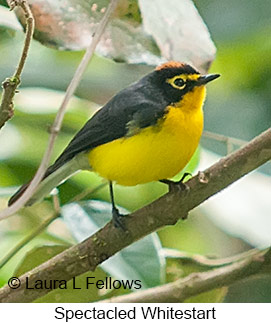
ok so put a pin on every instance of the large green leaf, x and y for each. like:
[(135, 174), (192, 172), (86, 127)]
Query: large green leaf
[(10, 238), (76, 289), (37, 256), (179, 31), (140, 31), (69, 25), (142, 260), (255, 289)]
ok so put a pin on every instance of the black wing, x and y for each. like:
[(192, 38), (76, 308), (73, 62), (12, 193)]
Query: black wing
[(137, 104)]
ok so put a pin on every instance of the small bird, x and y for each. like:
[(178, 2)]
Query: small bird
[(147, 132)]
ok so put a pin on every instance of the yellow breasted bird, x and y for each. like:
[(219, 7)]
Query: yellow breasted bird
[(147, 132)]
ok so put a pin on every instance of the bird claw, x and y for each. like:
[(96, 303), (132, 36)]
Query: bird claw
[(178, 186), (118, 219)]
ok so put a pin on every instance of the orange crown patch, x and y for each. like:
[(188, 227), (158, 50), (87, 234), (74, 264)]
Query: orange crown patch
[(170, 64)]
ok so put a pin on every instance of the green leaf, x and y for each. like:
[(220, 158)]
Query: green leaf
[(70, 24), (37, 256), (142, 260), (255, 289), (76, 289), (9, 239), (179, 31), (214, 296)]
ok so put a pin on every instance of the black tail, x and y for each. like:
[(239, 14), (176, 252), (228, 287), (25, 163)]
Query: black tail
[(61, 160), (18, 194), (23, 188)]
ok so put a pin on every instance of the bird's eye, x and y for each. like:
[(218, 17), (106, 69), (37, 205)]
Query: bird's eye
[(179, 83)]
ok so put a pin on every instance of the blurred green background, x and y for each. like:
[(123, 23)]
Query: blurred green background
[(238, 105)]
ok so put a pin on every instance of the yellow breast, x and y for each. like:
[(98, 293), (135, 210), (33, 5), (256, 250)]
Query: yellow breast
[(156, 152)]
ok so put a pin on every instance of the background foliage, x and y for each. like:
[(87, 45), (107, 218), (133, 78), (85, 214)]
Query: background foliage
[(238, 105)]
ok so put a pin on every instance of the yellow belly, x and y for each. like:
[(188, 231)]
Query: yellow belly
[(157, 152)]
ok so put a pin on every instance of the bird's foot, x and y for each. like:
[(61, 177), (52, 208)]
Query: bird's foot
[(178, 185), (118, 219)]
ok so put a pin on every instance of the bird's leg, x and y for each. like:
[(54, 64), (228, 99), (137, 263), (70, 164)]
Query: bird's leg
[(180, 185), (117, 220)]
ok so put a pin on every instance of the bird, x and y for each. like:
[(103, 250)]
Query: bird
[(147, 132)]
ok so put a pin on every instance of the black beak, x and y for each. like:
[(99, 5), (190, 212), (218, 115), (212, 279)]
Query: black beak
[(204, 79)]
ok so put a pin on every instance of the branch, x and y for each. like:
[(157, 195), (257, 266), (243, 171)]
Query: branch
[(203, 262), (165, 211), (196, 283), (10, 84), (60, 115)]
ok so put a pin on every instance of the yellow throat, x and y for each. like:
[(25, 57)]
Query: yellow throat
[(156, 152)]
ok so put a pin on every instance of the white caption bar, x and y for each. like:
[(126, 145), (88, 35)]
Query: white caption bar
[(32, 313)]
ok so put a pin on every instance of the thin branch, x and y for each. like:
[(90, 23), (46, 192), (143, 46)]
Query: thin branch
[(56, 202), (229, 141), (28, 238), (87, 192), (10, 84), (167, 210), (196, 283), (203, 261), (60, 115)]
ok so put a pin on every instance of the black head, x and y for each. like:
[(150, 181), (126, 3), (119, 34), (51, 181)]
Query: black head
[(176, 79)]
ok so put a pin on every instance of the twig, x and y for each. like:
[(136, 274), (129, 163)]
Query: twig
[(28, 238), (167, 210), (205, 262), (196, 283), (229, 141), (56, 202), (10, 84), (87, 192), (60, 115)]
